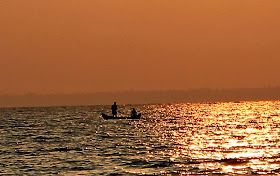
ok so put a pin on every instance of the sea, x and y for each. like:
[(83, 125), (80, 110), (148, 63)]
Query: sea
[(222, 138)]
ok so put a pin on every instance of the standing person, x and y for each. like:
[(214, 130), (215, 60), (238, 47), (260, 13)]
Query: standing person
[(114, 109)]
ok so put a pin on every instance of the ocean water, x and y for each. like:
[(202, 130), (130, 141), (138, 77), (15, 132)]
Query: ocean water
[(170, 139)]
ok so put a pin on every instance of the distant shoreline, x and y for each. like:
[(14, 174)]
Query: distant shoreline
[(142, 97)]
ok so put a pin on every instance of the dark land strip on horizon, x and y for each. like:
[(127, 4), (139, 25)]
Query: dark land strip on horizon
[(142, 97)]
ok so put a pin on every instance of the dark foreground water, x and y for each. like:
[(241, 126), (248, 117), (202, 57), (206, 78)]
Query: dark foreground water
[(174, 139)]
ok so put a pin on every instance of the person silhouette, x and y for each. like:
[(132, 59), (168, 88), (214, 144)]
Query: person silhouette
[(114, 109), (133, 112)]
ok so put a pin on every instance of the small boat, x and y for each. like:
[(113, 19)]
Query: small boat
[(105, 116)]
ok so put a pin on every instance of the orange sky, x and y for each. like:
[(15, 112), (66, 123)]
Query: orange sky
[(71, 46)]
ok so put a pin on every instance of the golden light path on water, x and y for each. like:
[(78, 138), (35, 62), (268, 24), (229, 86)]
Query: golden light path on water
[(228, 138)]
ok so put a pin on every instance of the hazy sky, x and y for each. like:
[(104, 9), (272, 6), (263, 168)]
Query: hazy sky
[(70, 46)]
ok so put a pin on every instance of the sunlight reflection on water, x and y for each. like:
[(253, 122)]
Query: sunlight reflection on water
[(199, 138), (227, 138)]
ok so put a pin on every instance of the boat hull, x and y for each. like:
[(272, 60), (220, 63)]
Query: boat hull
[(105, 116)]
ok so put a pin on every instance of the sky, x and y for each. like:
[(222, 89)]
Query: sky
[(86, 46)]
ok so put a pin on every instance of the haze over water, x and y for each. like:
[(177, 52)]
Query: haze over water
[(60, 52), (190, 138)]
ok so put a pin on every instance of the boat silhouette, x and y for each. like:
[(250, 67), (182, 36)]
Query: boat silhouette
[(105, 116)]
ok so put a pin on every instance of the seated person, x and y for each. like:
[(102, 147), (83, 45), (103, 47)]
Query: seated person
[(133, 112)]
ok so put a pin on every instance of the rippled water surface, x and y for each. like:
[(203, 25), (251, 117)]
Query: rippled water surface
[(172, 139)]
